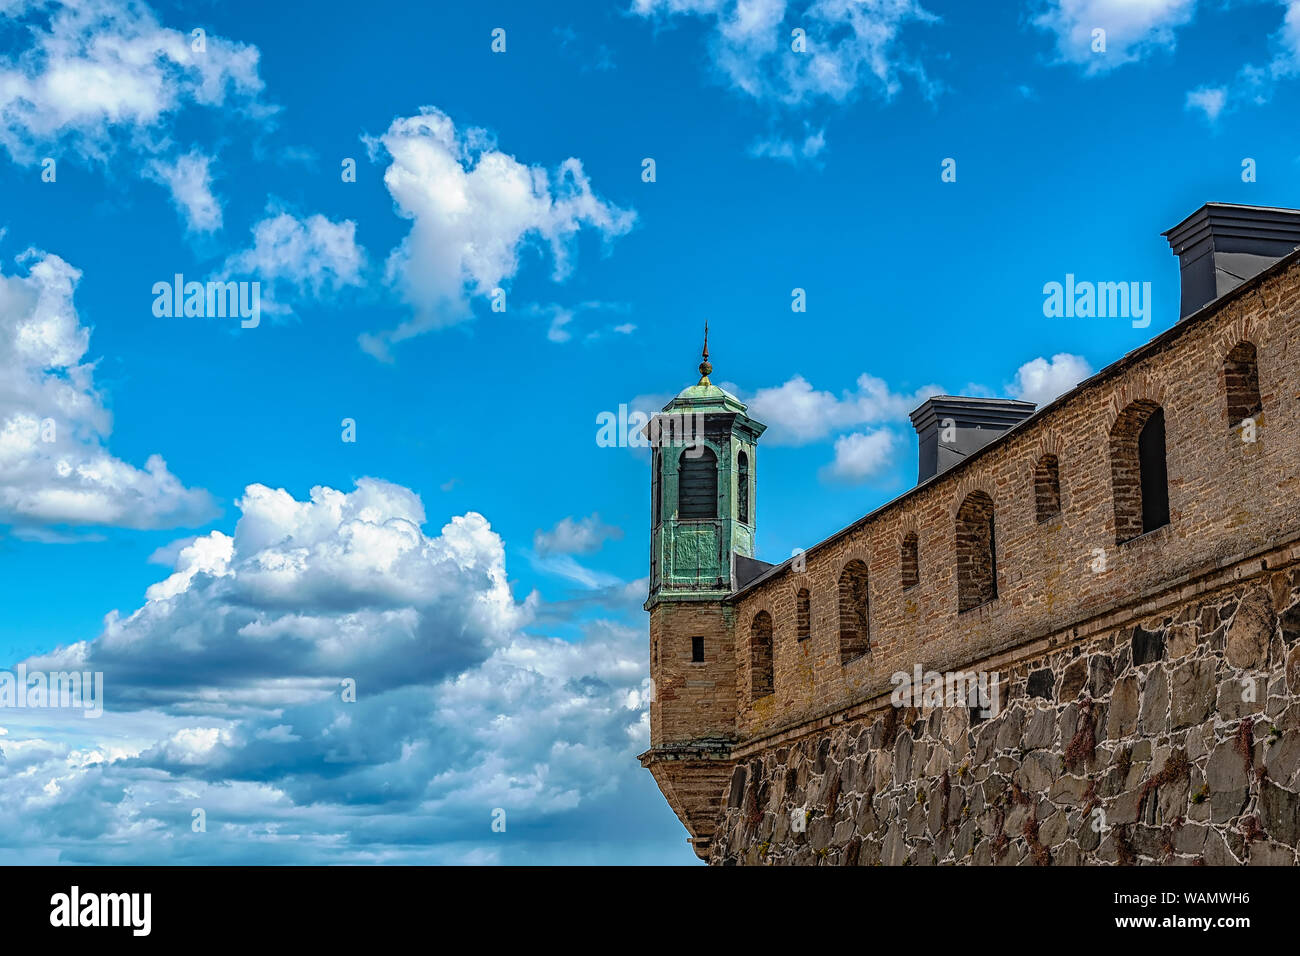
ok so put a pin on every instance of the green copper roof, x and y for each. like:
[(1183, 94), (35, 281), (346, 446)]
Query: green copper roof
[(705, 396)]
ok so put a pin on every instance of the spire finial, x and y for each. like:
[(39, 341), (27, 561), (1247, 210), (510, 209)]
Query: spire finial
[(705, 367)]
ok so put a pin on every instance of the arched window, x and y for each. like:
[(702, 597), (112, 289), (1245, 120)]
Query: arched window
[(855, 629), (1241, 381), (1047, 488), (760, 655), (911, 565), (742, 486), (657, 488), (697, 483), (977, 563), (1138, 473), (802, 614)]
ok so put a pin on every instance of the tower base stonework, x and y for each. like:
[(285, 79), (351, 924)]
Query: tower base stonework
[(693, 778)]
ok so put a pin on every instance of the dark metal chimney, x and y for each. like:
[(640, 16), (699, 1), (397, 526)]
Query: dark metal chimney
[(951, 427), (1221, 245)]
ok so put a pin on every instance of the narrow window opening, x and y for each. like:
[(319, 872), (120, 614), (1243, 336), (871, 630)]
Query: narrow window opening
[(1047, 488), (1155, 478), (855, 612), (760, 655), (911, 570), (977, 571), (1241, 382), (742, 486), (657, 491), (1139, 470)]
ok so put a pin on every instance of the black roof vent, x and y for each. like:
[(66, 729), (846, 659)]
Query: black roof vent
[(951, 427), (1221, 245)]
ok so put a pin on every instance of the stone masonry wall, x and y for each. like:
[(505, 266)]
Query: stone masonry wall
[(1137, 745)]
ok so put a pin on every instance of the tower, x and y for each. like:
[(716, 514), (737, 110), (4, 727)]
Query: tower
[(701, 549), (702, 491)]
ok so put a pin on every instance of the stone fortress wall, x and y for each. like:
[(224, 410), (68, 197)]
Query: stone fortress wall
[(1168, 737), (1150, 682)]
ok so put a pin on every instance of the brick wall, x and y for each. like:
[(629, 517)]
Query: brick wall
[(1226, 498), (692, 700)]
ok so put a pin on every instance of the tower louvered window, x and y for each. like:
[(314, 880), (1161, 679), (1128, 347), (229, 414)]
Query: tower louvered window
[(697, 484)]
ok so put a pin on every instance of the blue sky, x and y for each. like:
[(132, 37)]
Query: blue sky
[(474, 559)]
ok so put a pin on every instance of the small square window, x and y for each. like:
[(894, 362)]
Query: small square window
[(697, 650)]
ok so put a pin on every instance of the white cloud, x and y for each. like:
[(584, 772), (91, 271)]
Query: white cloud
[(850, 45), (1040, 380), (791, 150), (797, 414), (584, 536), (225, 694), (560, 318), (649, 403), (55, 468), (1289, 35), (92, 73), (1253, 83), (862, 456), (1133, 28), (210, 554), (567, 567), (473, 209), (558, 331), (95, 77), (189, 178), (345, 584), (295, 257), (1209, 100)]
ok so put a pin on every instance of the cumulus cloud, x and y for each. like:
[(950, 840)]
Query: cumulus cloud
[(189, 178), (584, 536), (1133, 29), (224, 693), (473, 211), (95, 72), (341, 585), (862, 456), (96, 77), (296, 257), (1040, 380), (797, 414), (851, 45), (55, 468)]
